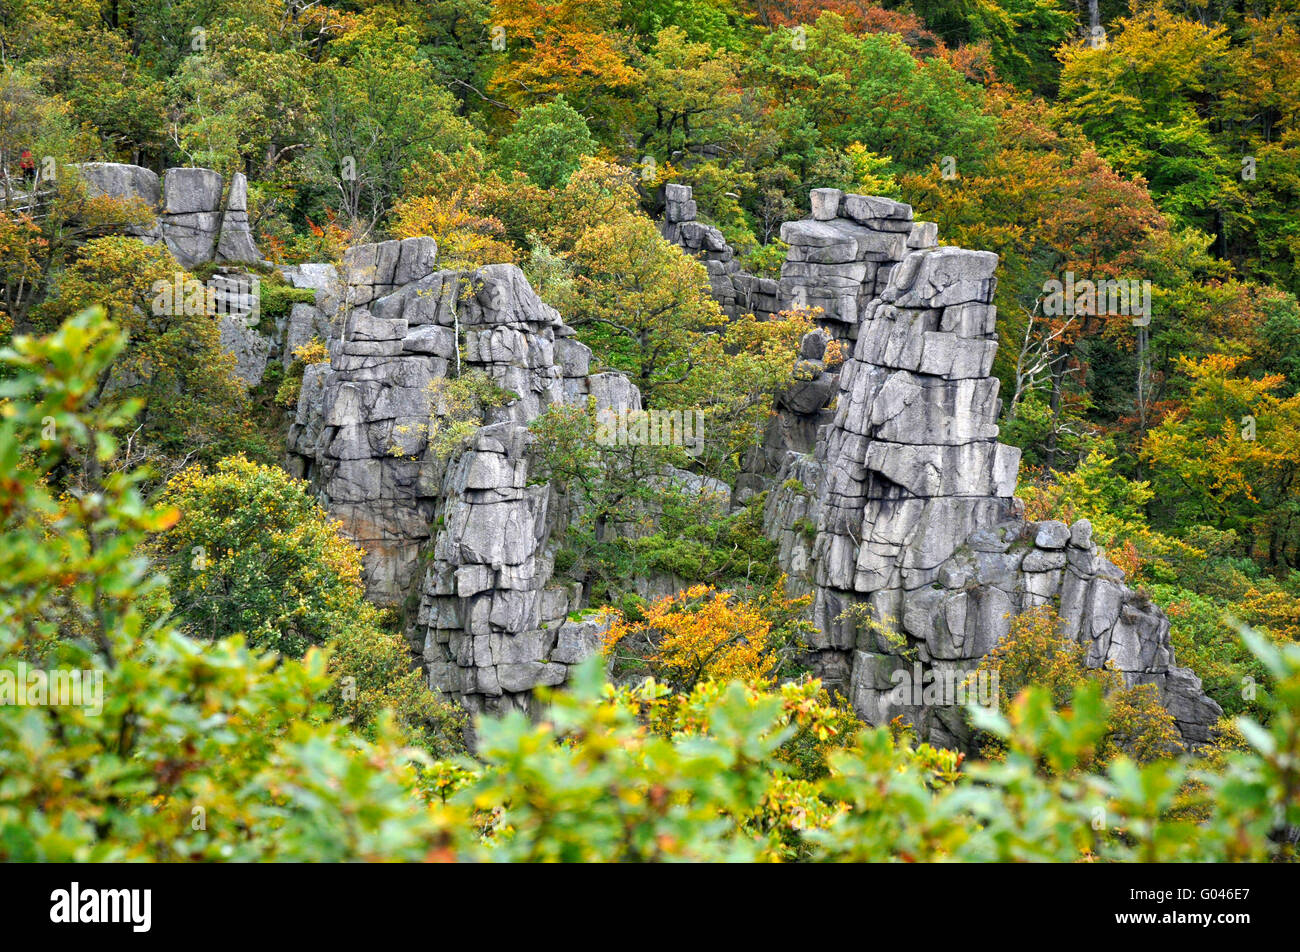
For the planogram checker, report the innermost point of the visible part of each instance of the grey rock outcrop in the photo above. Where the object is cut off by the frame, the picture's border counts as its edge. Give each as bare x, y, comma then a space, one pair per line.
891, 500
362, 427
492, 626
130, 183
191, 218
736, 290
839, 260
126, 182
463, 543
322, 318
492, 622
236, 234
903, 520
196, 227
842, 257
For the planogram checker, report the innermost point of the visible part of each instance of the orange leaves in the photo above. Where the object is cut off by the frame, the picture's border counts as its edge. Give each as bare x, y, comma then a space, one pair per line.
834, 355
164, 519
566, 47
701, 632
1126, 557
326, 242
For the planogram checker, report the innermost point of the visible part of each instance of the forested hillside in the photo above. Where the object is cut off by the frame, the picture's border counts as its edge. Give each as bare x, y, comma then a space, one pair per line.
307, 460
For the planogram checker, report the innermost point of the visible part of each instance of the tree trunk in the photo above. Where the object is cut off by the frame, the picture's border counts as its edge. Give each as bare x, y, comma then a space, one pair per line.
1058, 381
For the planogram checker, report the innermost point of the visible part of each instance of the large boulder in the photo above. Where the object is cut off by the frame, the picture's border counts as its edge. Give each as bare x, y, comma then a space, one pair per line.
129, 182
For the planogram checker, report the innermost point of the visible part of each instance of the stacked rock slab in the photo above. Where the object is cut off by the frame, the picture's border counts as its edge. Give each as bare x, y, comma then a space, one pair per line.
196, 220
492, 627
236, 296
191, 214
236, 234
842, 257
903, 520
361, 432
839, 259
465, 546
911, 465
491, 624
1011, 567
736, 291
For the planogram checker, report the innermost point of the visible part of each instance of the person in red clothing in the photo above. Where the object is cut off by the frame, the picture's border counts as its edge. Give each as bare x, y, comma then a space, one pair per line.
28, 166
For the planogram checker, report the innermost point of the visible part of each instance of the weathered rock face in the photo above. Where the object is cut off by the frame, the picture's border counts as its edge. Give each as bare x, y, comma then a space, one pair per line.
892, 500
194, 222
843, 257
736, 290
1012, 566
491, 625
127, 183
322, 318
903, 520
466, 545
839, 260
361, 432
200, 224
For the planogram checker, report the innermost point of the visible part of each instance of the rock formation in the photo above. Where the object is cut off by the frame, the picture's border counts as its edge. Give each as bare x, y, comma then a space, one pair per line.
843, 256
836, 263
891, 499
201, 224
903, 518
466, 545
737, 291
197, 221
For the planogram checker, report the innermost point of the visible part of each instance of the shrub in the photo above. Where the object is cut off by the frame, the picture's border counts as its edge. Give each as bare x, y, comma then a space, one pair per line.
1036, 653
547, 143
200, 751
313, 352
704, 633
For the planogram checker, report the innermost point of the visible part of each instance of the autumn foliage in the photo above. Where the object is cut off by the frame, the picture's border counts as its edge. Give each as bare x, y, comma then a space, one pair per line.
702, 632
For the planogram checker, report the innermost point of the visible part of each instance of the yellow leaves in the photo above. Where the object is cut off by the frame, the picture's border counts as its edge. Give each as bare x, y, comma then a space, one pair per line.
700, 633
1211, 366
459, 219
834, 355
870, 171
313, 352
1233, 449
1278, 611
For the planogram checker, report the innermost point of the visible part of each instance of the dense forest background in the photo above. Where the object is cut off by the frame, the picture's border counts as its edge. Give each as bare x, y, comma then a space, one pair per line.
1147, 141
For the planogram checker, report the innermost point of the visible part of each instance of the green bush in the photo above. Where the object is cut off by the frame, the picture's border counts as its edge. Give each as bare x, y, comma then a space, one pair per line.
198, 751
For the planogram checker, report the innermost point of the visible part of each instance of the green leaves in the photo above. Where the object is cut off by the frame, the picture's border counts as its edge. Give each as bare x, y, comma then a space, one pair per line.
547, 142
193, 751
592, 783
869, 89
